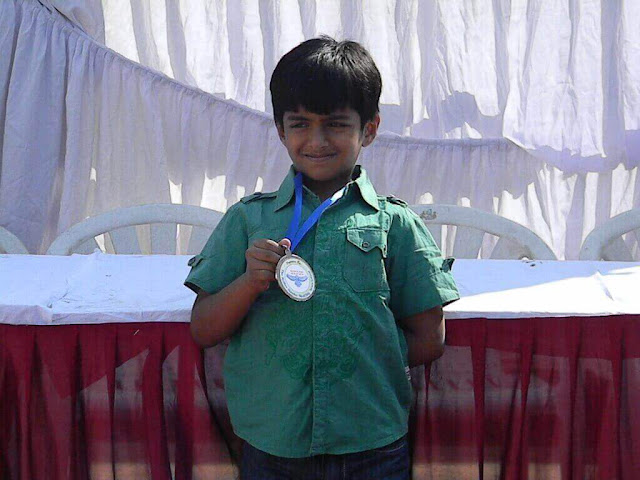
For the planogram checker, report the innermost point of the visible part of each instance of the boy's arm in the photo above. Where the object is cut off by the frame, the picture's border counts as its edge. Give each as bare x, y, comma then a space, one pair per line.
425, 335
216, 317
421, 284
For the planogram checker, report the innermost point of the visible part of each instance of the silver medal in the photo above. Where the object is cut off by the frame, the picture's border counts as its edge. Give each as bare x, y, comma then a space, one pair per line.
295, 277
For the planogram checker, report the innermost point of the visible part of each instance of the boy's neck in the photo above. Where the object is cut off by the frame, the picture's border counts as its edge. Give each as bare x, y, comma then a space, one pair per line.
326, 189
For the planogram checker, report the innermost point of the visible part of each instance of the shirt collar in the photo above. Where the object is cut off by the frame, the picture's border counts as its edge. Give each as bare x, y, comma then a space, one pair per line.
286, 190
367, 192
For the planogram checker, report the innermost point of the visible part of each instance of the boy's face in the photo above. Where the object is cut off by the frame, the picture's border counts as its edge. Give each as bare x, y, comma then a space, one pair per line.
325, 148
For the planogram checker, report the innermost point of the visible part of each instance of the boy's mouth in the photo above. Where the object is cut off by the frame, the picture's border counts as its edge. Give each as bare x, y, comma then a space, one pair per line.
319, 158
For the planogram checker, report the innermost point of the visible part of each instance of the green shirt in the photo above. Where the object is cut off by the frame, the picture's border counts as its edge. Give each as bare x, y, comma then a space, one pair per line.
329, 375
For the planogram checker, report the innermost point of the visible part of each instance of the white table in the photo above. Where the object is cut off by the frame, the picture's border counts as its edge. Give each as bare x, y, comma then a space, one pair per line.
101, 288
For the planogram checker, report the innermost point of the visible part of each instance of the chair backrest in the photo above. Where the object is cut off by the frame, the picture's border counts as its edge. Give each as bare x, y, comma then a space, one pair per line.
514, 240
605, 241
9, 243
124, 230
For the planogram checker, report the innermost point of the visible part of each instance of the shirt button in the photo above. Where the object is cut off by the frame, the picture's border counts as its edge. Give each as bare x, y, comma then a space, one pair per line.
365, 244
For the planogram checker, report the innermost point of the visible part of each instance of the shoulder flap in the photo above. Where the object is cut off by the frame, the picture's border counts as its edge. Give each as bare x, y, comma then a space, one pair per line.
396, 200
257, 196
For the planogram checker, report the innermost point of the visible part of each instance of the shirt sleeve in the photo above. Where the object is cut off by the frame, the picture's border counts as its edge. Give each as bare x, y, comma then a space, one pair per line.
419, 277
222, 259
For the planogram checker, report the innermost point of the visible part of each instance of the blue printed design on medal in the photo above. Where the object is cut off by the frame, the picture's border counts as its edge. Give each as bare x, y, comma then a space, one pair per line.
295, 277
298, 279
292, 272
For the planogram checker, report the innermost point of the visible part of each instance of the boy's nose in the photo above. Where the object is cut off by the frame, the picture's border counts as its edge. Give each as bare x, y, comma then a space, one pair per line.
318, 137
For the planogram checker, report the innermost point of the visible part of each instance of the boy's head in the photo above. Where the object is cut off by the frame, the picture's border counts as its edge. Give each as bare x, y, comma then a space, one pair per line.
325, 103
323, 75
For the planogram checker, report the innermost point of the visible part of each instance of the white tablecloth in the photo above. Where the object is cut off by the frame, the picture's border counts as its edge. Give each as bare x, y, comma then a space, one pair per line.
101, 288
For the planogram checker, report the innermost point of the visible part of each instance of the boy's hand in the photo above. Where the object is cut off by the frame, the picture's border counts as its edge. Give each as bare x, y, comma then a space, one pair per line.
217, 316
262, 258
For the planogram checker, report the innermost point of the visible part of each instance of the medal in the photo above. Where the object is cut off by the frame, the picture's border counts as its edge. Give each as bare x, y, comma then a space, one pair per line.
294, 275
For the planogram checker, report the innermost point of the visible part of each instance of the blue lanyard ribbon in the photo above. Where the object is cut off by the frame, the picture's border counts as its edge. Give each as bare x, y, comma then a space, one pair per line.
296, 234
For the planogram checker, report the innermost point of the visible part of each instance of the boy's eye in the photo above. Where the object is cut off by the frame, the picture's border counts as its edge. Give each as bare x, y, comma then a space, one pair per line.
339, 124
298, 125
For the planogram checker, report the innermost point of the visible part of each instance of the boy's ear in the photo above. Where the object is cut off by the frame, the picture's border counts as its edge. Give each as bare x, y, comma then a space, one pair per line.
370, 130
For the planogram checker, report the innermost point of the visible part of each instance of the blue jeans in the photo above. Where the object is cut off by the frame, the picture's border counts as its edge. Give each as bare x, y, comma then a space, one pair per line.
390, 462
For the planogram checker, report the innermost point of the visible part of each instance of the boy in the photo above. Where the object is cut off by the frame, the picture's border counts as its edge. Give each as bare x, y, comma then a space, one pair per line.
328, 291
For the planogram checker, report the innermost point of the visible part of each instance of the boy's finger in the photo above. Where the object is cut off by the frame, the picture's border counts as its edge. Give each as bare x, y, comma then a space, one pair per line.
265, 275
266, 244
285, 242
257, 265
264, 255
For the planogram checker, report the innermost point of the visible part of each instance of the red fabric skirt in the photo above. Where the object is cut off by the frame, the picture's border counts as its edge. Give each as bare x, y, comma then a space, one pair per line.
545, 398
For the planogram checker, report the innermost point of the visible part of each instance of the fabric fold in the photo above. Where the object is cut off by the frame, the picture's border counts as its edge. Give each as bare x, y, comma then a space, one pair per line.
87, 131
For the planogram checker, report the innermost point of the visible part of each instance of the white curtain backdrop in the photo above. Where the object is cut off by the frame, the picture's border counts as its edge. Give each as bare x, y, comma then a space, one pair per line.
84, 130
560, 78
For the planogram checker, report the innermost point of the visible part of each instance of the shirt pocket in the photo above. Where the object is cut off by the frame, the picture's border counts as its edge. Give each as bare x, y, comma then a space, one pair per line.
365, 252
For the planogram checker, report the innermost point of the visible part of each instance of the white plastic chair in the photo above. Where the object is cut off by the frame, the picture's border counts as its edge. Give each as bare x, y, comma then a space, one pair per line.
605, 241
9, 243
515, 241
122, 230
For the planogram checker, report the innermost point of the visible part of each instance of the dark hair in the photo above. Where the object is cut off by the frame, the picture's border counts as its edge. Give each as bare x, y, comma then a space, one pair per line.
323, 75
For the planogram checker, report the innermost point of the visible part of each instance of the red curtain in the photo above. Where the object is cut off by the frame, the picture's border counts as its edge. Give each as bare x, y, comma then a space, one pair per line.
552, 398
546, 398
121, 401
